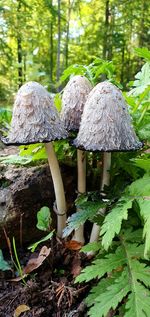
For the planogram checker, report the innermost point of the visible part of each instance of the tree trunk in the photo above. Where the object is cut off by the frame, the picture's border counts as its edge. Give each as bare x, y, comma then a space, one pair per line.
106, 27
67, 32
58, 45
19, 47
51, 45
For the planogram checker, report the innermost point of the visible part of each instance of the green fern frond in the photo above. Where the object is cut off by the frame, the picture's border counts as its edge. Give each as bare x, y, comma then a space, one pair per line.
144, 205
125, 279
113, 221
86, 210
111, 297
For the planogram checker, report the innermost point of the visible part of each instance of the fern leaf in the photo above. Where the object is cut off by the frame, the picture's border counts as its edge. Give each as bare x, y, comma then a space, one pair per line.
144, 205
138, 304
101, 266
87, 210
100, 288
112, 297
139, 188
128, 279
113, 221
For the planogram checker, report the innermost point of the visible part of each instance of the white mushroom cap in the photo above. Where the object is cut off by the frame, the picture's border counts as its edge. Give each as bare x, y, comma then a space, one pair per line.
105, 123
35, 117
73, 100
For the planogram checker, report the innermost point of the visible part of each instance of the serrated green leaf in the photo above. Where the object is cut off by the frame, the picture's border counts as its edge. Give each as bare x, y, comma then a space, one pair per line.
113, 221
139, 188
111, 297
101, 287
144, 205
138, 304
101, 266
142, 81
44, 219
4, 266
87, 210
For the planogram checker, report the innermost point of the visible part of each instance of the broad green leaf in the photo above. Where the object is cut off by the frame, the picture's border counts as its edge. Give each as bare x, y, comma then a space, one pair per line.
4, 266
142, 81
113, 221
143, 163
44, 219
143, 52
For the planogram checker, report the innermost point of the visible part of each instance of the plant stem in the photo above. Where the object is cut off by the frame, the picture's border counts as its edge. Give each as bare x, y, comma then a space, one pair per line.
81, 162
105, 181
58, 188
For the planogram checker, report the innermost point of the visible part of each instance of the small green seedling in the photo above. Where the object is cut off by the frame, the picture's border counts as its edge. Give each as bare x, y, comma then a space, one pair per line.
44, 220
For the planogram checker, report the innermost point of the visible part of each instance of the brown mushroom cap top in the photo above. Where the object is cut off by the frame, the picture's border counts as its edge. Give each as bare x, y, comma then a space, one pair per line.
35, 118
105, 123
73, 100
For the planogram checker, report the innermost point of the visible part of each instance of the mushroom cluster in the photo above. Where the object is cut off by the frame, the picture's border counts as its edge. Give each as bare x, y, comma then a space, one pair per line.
100, 117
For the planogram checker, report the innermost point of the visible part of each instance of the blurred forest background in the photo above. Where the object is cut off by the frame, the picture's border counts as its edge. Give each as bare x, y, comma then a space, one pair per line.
39, 39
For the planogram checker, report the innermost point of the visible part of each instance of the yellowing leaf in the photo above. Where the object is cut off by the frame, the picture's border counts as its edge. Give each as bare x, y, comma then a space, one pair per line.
21, 309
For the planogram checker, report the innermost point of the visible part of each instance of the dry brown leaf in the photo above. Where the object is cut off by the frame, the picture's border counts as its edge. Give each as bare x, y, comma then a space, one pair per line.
21, 309
73, 245
33, 264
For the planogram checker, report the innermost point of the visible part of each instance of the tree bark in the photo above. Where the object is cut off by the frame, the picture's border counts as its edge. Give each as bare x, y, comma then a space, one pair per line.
106, 27
67, 32
58, 43
19, 47
51, 45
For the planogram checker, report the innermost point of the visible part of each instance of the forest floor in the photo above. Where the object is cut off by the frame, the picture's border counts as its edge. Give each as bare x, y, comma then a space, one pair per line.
48, 287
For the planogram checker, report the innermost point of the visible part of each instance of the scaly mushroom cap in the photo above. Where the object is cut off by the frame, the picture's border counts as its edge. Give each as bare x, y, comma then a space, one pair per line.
35, 118
73, 100
105, 123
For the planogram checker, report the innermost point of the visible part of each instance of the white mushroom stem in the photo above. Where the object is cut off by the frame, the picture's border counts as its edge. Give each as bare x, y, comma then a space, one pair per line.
58, 188
105, 181
81, 166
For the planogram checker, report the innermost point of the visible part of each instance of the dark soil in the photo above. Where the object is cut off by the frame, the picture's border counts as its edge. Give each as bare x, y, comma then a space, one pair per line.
49, 290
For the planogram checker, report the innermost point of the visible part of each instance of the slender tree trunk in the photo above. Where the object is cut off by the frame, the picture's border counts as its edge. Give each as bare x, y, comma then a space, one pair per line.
122, 62
106, 27
51, 46
58, 44
67, 32
19, 47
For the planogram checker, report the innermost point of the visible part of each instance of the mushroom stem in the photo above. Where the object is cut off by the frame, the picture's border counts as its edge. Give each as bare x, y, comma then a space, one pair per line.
105, 181
81, 162
58, 188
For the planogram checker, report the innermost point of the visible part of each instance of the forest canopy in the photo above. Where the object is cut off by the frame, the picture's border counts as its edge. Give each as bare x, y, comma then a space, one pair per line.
40, 39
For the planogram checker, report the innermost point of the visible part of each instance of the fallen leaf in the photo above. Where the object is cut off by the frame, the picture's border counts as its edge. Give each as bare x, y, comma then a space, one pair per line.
21, 309
73, 245
33, 264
